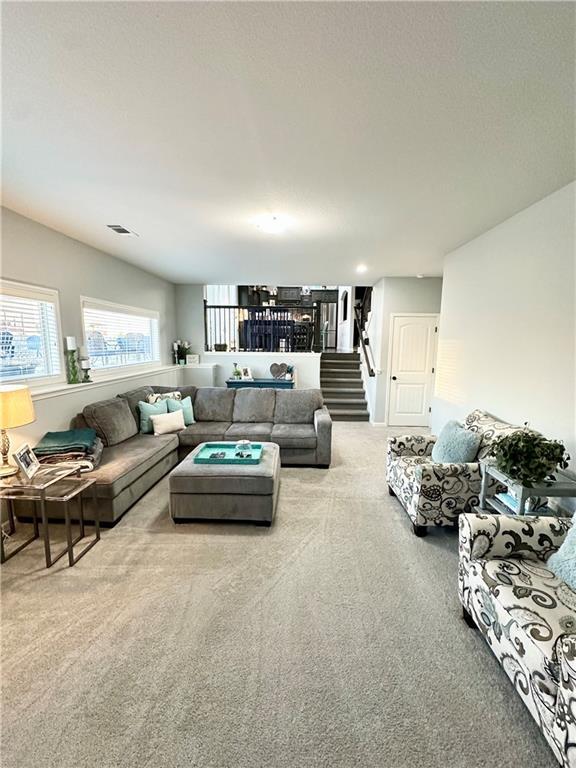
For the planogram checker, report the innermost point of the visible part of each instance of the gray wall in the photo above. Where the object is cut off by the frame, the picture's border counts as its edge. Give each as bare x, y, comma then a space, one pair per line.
190, 315
394, 295
507, 339
33, 253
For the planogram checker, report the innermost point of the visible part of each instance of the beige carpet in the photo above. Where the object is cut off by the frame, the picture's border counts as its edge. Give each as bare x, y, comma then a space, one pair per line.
332, 640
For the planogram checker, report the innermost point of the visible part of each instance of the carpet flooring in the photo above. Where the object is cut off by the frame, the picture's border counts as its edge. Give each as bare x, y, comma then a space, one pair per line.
331, 640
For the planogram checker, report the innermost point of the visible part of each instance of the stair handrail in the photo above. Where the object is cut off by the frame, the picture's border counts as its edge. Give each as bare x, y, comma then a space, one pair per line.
363, 344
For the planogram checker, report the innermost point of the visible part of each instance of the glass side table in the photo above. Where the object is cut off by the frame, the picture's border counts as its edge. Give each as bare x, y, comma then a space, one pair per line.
564, 486
62, 484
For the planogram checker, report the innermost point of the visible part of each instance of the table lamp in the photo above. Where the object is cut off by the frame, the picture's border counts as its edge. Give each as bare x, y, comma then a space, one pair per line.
16, 410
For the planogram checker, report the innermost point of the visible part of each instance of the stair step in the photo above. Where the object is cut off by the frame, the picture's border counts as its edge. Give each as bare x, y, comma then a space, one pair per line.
345, 403
347, 415
340, 356
338, 392
353, 373
341, 383
339, 363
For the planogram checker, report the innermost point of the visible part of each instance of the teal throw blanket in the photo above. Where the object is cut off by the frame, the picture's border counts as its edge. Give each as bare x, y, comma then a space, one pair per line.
65, 442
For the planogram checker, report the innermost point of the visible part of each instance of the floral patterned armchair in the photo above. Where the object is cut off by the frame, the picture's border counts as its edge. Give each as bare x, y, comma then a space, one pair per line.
526, 614
436, 494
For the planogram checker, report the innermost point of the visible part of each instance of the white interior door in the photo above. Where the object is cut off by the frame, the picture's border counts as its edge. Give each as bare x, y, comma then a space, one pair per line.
412, 362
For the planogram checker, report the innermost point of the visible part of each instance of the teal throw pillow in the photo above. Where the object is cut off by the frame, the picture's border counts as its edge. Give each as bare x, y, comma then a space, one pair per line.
456, 445
147, 410
563, 562
182, 405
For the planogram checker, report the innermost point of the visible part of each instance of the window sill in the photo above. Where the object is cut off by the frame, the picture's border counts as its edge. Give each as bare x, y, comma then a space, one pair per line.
55, 390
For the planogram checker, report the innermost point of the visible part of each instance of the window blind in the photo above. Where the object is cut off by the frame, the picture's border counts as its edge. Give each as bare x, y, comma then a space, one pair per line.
117, 336
29, 333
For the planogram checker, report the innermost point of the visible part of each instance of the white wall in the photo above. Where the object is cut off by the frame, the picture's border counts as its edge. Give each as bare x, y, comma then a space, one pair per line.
307, 365
507, 331
190, 315
33, 253
393, 295
346, 327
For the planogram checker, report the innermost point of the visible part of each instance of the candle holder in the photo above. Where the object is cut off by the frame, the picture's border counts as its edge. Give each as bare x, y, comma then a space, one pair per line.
86, 367
72, 373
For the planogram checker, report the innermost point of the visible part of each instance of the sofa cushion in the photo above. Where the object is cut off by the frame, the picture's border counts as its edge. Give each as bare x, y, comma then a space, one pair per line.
563, 562
489, 427
254, 405
150, 409
184, 405
214, 404
455, 444
123, 464
168, 423
297, 406
204, 432
133, 397
184, 391
524, 603
112, 419
174, 394
294, 435
250, 431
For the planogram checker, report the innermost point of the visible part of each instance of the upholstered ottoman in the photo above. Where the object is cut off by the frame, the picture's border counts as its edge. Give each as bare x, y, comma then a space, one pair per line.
226, 491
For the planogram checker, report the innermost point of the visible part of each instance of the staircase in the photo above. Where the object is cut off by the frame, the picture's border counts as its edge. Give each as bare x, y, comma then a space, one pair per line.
342, 387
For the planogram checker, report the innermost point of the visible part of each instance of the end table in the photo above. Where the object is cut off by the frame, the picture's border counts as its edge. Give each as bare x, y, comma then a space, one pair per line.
60, 483
563, 486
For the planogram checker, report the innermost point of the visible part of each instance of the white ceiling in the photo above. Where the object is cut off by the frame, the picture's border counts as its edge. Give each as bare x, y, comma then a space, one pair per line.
389, 132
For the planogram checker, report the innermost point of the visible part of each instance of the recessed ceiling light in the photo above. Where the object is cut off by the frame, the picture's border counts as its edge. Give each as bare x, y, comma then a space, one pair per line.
361, 268
272, 223
120, 230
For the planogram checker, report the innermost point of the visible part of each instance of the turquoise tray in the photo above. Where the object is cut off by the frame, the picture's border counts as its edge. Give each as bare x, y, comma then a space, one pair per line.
229, 449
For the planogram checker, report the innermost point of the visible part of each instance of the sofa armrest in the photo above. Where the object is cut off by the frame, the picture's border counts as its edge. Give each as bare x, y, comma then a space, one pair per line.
490, 536
410, 445
564, 721
323, 427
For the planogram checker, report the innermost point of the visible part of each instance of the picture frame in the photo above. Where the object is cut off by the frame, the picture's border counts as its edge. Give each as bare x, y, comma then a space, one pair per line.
247, 374
192, 359
26, 460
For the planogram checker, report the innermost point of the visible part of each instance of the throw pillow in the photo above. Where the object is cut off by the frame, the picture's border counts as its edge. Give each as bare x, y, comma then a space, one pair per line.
182, 405
563, 562
146, 411
157, 396
456, 445
165, 423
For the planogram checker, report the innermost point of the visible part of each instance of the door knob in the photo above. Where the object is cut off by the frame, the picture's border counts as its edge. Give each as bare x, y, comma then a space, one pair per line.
394, 378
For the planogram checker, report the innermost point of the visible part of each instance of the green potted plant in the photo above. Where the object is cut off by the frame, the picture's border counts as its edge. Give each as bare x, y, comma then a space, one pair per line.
529, 457
182, 351
236, 372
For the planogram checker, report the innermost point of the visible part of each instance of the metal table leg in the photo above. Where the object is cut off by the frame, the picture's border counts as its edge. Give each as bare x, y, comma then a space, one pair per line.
20, 547
96, 512
45, 531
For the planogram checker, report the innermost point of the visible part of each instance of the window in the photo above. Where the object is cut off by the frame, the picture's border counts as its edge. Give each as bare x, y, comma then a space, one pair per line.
116, 336
29, 333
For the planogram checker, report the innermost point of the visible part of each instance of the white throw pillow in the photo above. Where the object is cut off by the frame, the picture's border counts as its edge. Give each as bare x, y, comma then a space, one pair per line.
165, 396
165, 423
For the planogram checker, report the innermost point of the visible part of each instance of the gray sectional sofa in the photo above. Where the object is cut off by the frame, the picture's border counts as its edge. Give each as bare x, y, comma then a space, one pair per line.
296, 420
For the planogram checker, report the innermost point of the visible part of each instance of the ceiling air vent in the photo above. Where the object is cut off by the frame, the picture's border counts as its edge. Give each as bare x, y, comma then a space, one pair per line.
120, 230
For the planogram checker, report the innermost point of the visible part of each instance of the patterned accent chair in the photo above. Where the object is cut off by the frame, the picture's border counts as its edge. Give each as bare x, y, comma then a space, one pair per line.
526, 615
436, 494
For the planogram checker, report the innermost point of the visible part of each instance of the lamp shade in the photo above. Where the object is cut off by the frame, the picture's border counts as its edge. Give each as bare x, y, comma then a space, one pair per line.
16, 406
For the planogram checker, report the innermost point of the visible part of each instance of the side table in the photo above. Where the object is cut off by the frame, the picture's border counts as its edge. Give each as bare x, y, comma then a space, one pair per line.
563, 486
61, 484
